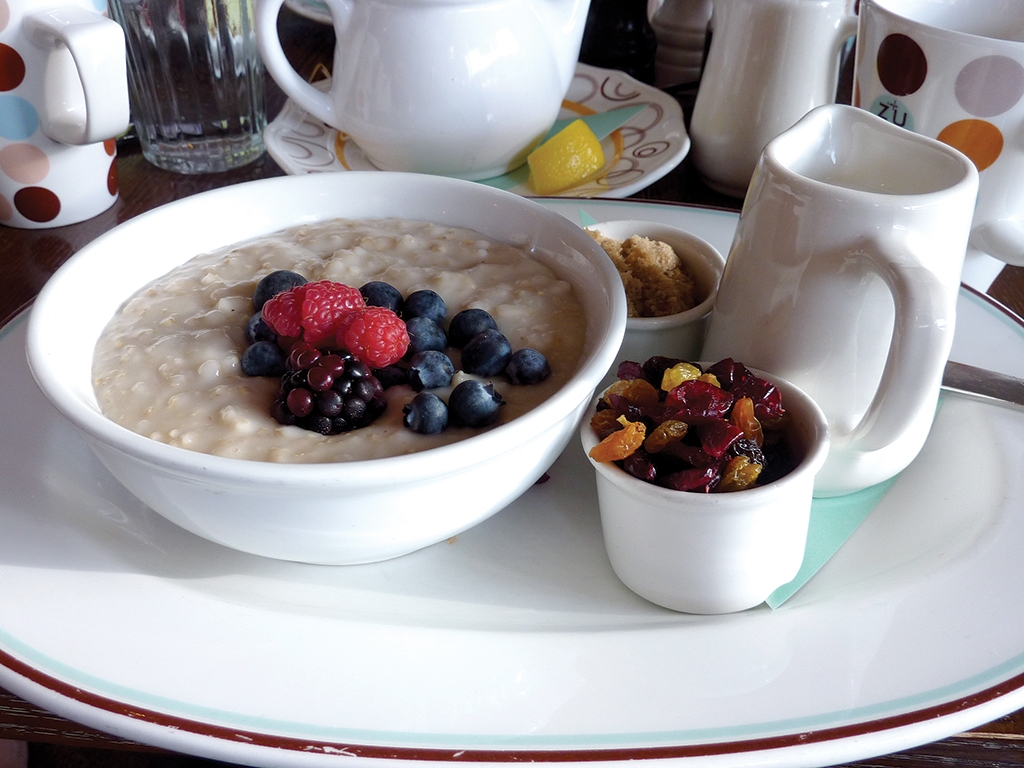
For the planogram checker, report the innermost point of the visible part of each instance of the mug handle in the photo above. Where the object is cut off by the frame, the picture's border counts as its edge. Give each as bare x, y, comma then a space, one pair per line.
99, 111
317, 103
925, 313
1003, 239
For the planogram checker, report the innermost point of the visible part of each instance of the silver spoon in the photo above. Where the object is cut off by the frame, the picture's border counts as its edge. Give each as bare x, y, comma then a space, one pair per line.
984, 385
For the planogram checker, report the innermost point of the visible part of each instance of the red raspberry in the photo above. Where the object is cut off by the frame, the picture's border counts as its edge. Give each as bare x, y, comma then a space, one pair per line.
324, 304
375, 335
311, 311
283, 312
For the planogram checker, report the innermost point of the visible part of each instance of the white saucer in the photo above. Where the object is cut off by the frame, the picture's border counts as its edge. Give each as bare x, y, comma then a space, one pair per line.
649, 145
514, 642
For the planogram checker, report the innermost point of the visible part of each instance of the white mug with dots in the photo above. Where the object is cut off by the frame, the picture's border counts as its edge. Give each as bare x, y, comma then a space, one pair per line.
954, 70
63, 99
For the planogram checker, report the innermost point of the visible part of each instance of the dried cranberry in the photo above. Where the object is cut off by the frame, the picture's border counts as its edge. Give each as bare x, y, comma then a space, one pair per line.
639, 465
628, 370
698, 402
716, 437
691, 479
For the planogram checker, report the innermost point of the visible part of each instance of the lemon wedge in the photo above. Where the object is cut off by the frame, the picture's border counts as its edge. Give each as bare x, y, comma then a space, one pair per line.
565, 159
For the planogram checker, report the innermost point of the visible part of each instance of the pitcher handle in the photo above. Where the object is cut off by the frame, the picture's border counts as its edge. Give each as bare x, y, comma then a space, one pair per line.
96, 45
317, 103
925, 313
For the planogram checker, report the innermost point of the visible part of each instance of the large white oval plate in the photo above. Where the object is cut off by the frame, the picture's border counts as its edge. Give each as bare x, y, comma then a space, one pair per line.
515, 642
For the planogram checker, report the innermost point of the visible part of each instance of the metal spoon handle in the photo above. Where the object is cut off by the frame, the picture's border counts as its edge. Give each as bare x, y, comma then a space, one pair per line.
983, 384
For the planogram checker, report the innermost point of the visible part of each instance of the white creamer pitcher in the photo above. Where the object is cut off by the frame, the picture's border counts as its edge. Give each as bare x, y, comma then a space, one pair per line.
770, 62
843, 277
451, 87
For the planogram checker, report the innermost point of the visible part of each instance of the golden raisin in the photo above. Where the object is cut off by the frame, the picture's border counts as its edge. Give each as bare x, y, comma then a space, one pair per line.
711, 379
669, 431
738, 474
604, 423
743, 417
618, 445
677, 374
637, 391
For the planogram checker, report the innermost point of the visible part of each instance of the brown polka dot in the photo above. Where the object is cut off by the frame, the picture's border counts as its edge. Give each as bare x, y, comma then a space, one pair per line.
110, 146
112, 178
902, 66
978, 139
12, 68
37, 203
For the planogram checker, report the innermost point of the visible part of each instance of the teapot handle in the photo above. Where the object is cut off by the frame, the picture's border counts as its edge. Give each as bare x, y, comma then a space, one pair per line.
314, 101
925, 313
95, 44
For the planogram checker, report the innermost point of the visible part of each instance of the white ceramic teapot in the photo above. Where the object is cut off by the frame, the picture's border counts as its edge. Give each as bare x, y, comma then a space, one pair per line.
451, 87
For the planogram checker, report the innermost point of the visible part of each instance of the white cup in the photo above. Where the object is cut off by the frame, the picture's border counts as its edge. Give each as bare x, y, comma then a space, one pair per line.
63, 99
460, 89
843, 277
679, 335
954, 70
770, 62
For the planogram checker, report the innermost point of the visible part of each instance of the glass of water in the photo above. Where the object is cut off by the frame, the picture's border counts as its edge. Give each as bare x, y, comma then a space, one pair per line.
196, 82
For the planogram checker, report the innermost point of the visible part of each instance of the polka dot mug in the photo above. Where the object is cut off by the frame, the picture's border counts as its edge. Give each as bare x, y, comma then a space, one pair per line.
63, 99
954, 70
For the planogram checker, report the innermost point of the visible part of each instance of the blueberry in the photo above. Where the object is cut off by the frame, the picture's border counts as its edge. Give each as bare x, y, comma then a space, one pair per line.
391, 376
474, 404
467, 324
424, 334
486, 354
257, 330
430, 369
425, 303
273, 284
264, 358
377, 293
426, 414
527, 366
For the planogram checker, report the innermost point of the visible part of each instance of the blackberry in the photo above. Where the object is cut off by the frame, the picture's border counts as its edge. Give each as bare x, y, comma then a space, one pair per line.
486, 354
377, 293
426, 414
430, 369
467, 324
474, 404
273, 284
527, 366
334, 394
425, 303
424, 334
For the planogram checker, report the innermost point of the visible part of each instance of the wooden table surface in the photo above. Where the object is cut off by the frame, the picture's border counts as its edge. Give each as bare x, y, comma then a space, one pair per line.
29, 257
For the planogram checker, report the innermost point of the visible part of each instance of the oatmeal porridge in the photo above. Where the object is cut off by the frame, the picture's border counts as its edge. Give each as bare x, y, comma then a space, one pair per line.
168, 364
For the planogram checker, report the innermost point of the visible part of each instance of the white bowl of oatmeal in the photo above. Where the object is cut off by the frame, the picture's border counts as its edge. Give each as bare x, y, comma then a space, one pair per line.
670, 293
221, 466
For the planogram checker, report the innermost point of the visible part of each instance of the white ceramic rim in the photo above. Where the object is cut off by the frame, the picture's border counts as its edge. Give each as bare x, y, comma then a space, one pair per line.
461, 454
955, 35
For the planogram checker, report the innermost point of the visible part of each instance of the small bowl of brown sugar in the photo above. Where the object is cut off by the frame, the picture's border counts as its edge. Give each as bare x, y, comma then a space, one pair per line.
671, 279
